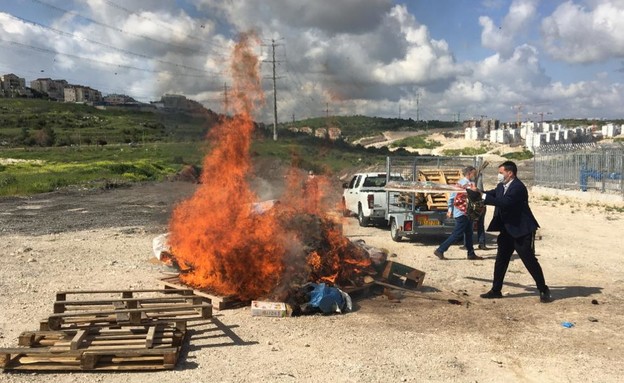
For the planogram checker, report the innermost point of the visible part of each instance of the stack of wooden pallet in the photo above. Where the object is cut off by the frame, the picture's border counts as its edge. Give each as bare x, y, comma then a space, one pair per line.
440, 176
109, 330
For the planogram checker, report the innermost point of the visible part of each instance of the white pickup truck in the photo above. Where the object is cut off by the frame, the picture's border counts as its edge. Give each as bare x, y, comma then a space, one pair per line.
365, 195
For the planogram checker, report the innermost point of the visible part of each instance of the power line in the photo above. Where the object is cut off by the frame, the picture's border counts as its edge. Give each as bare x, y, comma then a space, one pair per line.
68, 34
297, 81
121, 30
163, 25
52, 51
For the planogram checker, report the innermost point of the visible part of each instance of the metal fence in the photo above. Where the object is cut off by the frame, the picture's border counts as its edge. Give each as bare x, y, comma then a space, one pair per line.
580, 167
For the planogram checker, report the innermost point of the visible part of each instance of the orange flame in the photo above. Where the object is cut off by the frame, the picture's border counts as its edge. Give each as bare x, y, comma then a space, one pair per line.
218, 240
215, 233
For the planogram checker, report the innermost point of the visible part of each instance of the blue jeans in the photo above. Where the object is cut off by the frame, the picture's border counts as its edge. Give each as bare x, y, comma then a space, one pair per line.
463, 228
480, 230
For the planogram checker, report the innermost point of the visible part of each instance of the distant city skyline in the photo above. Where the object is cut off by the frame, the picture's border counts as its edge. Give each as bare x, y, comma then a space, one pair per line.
442, 60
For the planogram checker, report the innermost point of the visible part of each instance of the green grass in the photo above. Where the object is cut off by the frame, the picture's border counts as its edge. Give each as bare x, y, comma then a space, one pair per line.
467, 151
60, 140
97, 167
23, 120
416, 142
92, 166
519, 156
322, 156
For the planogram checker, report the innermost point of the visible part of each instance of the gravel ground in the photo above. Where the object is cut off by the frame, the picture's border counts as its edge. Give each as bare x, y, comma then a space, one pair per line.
102, 240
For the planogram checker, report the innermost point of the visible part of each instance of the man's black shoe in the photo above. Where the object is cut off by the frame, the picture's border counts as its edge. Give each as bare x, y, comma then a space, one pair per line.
483, 247
439, 254
474, 257
492, 295
545, 296
462, 247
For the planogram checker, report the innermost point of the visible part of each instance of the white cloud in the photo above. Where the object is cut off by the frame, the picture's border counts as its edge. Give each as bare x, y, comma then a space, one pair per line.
425, 60
343, 56
501, 38
576, 34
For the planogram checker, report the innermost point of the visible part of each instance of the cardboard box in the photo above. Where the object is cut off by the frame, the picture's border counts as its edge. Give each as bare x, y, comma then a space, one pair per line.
268, 309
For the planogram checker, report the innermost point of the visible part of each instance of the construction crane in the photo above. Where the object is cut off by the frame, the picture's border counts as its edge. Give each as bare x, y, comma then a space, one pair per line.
518, 108
541, 114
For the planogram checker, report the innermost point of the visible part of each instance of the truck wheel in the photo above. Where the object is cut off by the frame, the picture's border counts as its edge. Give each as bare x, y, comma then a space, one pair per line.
394, 231
345, 211
363, 221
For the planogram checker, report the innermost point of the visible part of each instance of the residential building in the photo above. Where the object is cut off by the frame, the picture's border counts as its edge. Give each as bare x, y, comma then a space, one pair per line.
55, 89
81, 94
118, 99
12, 85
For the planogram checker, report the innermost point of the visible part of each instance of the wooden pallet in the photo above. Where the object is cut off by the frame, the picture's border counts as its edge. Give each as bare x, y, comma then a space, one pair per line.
129, 307
154, 347
439, 201
218, 302
440, 176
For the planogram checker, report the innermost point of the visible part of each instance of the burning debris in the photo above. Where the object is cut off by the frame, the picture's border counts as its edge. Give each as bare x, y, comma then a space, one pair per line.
225, 241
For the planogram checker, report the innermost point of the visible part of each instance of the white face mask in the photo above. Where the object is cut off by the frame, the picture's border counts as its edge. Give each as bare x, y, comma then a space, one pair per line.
500, 178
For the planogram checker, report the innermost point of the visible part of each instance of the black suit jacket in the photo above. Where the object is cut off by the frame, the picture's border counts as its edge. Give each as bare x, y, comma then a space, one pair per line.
512, 211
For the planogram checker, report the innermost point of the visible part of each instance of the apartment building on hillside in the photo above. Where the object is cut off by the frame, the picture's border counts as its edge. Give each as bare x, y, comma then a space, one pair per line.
55, 89
12, 86
81, 94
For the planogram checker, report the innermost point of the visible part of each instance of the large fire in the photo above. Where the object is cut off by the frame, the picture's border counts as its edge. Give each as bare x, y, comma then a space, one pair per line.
222, 243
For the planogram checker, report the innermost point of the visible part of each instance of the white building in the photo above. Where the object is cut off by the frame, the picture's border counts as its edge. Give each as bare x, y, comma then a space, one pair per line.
611, 130
474, 133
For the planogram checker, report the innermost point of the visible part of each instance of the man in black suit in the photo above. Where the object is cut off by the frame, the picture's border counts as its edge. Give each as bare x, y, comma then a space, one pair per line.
517, 225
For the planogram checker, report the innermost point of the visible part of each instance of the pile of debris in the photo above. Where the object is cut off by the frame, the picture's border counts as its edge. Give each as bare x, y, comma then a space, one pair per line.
323, 284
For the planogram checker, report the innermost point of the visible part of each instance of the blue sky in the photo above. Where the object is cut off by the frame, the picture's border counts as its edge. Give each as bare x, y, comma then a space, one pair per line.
426, 59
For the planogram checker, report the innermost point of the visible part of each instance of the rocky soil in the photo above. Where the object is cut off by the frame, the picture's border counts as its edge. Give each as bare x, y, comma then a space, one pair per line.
102, 240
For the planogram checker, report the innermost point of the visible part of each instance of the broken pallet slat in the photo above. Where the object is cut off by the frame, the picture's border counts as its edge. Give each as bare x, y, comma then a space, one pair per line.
218, 302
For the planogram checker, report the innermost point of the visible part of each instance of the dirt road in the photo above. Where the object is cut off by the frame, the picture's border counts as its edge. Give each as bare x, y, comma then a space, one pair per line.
88, 240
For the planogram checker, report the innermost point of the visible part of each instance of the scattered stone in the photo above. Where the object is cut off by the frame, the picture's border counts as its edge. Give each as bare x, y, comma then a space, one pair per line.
594, 302
499, 362
31, 260
592, 319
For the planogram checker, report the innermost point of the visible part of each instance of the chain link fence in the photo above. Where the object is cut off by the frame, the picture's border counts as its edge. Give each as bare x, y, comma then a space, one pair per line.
580, 167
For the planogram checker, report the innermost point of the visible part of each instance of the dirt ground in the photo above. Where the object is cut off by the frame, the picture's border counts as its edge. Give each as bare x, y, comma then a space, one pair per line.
103, 239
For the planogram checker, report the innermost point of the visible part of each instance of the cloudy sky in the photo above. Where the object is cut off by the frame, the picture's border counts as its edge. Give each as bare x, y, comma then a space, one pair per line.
420, 59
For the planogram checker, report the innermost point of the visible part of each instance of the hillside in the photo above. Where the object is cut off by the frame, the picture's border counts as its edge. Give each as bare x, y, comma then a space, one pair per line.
33, 122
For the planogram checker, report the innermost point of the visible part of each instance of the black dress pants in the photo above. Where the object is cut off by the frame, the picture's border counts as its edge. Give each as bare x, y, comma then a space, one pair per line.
524, 246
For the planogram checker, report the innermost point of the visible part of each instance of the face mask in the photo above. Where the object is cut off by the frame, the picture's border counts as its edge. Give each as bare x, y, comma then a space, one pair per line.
500, 178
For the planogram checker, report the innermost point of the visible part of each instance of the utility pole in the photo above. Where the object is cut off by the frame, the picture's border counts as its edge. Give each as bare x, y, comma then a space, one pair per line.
399, 110
274, 95
327, 110
417, 107
518, 109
